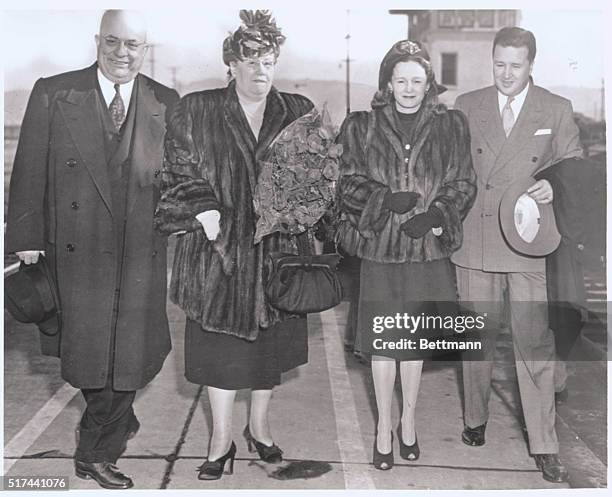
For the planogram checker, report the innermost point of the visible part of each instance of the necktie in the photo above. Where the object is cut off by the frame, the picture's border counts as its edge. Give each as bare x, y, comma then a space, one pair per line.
117, 109
508, 116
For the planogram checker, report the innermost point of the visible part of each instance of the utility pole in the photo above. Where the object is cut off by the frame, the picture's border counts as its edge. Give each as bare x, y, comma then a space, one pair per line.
602, 108
152, 48
174, 83
348, 62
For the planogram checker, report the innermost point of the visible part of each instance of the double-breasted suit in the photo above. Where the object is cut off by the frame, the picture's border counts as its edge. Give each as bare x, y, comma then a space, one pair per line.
86, 194
543, 133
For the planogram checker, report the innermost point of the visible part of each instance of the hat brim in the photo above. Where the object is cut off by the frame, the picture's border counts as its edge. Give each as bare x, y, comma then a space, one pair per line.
547, 238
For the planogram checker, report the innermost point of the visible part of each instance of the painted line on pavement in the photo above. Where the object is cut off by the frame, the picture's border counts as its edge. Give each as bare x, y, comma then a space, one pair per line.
350, 441
21, 442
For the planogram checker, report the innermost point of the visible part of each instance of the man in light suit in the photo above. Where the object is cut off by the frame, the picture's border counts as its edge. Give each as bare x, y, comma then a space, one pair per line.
83, 193
517, 129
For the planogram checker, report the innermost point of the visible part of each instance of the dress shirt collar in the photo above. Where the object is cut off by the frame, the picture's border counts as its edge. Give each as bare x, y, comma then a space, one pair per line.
108, 90
517, 103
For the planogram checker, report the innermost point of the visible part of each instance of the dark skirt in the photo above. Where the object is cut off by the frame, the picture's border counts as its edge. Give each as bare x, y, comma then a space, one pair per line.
386, 289
232, 363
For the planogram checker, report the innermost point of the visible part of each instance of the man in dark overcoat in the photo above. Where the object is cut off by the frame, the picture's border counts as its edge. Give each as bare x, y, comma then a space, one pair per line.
83, 192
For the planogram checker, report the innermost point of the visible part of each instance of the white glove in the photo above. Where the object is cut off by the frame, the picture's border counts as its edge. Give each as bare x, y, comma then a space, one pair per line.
29, 256
210, 222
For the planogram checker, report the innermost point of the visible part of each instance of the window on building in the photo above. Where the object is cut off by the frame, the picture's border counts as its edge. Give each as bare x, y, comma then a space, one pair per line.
446, 18
449, 69
465, 18
507, 18
486, 18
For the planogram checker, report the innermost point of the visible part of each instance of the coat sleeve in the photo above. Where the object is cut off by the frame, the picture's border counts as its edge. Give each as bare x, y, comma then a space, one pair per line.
185, 189
360, 198
26, 227
457, 191
566, 141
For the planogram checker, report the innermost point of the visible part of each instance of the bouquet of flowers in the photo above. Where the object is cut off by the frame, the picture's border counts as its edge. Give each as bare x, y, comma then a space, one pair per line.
296, 183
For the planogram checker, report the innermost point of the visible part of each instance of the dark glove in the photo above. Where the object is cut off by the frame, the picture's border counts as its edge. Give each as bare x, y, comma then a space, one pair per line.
400, 202
417, 226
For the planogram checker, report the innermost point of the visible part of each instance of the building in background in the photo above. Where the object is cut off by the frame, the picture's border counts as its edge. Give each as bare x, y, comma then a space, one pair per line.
458, 42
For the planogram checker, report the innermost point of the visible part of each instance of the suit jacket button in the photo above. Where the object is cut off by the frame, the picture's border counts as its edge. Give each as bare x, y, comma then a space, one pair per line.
580, 246
406, 160
534, 159
74, 205
479, 150
70, 247
71, 162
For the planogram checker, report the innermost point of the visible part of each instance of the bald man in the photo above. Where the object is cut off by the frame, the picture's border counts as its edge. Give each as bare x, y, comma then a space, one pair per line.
83, 192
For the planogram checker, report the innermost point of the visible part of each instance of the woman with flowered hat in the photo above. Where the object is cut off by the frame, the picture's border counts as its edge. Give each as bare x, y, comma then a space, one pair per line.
234, 340
406, 183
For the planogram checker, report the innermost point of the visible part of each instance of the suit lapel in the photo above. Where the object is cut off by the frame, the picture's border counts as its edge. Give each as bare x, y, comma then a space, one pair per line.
528, 121
147, 139
81, 110
489, 121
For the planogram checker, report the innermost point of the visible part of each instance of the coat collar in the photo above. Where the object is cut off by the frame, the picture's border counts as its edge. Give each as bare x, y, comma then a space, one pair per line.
274, 119
81, 111
390, 128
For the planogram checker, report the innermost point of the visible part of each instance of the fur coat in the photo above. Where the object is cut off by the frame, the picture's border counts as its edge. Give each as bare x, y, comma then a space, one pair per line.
376, 159
211, 162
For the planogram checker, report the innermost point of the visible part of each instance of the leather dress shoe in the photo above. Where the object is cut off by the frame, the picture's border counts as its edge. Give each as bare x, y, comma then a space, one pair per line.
551, 467
474, 436
106, 474
561, 397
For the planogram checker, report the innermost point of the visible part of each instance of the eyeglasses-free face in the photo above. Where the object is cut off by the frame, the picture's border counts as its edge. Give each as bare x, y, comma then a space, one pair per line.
409, 85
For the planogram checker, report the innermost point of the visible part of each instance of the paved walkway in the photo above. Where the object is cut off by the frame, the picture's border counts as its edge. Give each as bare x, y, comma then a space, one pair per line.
324, 411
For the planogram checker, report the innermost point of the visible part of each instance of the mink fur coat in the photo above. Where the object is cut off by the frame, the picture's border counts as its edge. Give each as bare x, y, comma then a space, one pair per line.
436, 163
211, 162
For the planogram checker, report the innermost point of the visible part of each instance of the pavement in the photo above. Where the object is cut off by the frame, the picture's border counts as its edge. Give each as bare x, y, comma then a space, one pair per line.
323, 413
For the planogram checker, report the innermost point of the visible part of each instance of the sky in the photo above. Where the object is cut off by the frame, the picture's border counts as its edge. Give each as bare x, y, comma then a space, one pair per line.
43, 42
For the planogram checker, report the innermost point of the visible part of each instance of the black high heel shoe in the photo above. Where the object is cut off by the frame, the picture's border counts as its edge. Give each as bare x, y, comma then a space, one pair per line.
383, 461
408, 452
213, 470
267, 453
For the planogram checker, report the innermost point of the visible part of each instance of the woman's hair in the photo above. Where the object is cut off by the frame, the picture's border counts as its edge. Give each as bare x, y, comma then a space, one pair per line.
257, 36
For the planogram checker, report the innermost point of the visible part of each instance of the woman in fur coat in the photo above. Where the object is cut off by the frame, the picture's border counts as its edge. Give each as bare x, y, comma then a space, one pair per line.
234, 339
406, 184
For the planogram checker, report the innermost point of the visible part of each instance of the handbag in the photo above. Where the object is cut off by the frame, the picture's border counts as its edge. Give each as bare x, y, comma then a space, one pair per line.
303, 283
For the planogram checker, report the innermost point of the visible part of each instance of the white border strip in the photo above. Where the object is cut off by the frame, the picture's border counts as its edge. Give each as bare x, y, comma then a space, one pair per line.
350, 442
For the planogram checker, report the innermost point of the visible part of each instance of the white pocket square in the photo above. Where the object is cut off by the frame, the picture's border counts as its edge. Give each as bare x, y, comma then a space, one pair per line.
539, 132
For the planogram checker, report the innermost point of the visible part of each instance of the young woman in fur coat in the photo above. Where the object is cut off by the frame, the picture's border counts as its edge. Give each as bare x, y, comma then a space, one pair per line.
406, 184
234, 339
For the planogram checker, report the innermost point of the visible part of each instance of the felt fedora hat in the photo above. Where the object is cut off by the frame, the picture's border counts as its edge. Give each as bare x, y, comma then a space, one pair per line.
30, 295
528, 227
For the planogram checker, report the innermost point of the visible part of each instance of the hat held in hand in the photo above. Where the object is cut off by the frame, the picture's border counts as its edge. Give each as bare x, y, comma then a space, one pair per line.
529, 228
30, 295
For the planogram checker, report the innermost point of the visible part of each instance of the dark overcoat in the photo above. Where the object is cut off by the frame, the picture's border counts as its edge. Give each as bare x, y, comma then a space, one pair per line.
211, 162
378, 159
579, 187
60, 202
